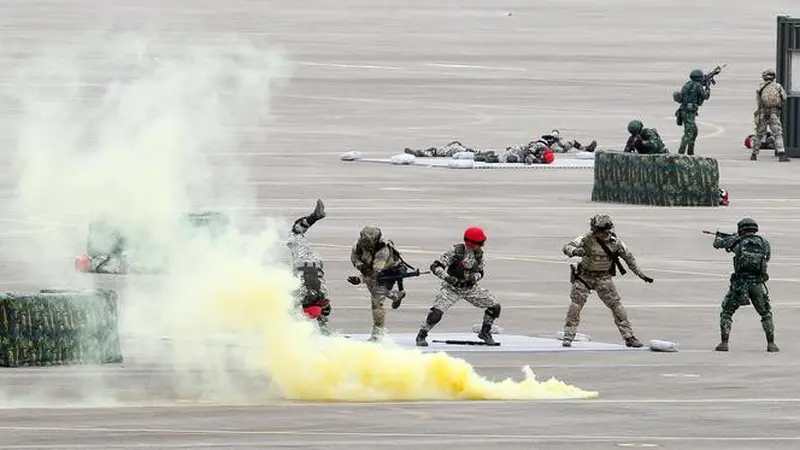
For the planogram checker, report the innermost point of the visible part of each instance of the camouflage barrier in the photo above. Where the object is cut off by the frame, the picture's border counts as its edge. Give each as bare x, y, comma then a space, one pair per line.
658, 180
59, 327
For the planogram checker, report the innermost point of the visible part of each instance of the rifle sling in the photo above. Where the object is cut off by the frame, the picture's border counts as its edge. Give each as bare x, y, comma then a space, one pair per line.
614, 257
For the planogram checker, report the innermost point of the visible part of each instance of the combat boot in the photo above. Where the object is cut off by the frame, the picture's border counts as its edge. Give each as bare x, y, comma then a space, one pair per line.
782, 157
722, 347
690, 149
591, 147
753, 157
486, 334
421, 336
632, 342
566, 342
302, 224
771, 347
377, 334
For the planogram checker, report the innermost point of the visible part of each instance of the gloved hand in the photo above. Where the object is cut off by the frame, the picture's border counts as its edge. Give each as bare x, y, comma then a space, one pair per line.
579, 252
451, 280
647, 279
354, 280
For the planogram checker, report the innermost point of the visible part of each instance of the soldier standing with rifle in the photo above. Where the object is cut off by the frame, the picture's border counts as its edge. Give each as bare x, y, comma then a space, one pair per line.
599, 250
748, 280
691, 97
770, 98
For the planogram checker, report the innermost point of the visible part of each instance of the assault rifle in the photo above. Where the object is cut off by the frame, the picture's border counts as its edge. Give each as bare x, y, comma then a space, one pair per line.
708, 78
719, 234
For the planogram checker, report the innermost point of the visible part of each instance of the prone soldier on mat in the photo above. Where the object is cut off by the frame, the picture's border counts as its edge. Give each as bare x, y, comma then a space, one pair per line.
531, 153
380, 266
751, 254
557, 144
461, 268
599, 250
645, 141
313, 293
440, 152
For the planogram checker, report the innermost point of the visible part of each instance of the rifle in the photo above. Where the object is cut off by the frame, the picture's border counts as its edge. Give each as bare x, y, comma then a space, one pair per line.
719, 234
708, 78
401, 275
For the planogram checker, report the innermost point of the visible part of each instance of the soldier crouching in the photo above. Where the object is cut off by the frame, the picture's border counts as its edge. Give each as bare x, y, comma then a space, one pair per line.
460, 269
599, 250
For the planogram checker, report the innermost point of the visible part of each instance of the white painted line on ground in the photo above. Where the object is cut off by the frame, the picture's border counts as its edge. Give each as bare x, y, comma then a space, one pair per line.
348, 66
404, 435
473, 66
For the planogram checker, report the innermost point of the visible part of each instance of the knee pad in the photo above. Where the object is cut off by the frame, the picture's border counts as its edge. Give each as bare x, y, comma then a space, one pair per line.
326, 310
434, 316
493, 311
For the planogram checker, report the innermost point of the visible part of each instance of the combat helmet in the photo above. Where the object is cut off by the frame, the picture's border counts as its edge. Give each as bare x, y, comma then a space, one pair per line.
747, 224
601, 222
768, 75
370, 235
696, 75
635, 126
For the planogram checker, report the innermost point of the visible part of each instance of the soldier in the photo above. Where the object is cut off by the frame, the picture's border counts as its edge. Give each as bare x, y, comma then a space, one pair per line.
748, 280
313, 293
599, 250
374, 257
443, 152
770, 98
557, 144
645, 141
460, 269
691, 97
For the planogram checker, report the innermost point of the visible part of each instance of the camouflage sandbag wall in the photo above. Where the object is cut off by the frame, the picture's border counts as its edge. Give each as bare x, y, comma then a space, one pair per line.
658, 180
56, 327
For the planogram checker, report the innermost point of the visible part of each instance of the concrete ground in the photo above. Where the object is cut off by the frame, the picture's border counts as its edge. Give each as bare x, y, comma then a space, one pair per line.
379, 78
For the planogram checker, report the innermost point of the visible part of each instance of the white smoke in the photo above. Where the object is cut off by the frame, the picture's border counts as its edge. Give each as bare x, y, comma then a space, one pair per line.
114, 128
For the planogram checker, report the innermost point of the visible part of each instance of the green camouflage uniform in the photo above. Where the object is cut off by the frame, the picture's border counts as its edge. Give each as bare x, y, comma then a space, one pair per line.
693, 94
748, 281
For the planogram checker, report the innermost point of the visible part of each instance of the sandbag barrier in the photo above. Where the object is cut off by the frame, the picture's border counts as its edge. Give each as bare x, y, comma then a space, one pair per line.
657, 180
59, 327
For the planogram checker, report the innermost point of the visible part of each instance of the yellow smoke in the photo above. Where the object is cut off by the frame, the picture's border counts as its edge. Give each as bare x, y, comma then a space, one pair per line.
147, 150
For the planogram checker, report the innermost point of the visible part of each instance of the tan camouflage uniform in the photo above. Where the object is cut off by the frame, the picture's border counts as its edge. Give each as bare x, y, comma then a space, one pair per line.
371, 255
594, 273
770, 98
440, 152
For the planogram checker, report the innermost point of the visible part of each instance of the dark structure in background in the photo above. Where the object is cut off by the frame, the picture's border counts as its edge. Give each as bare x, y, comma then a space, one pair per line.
787, 69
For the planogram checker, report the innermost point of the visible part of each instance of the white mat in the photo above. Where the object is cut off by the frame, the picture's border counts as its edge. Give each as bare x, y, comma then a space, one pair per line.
582, 160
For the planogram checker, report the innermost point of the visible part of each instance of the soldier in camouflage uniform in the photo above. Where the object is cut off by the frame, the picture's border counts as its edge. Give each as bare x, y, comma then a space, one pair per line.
599, 250
645, 141
770, 98
691, 97
375, 257
460, 269
441, 152
748, 281
307, 264
557, 144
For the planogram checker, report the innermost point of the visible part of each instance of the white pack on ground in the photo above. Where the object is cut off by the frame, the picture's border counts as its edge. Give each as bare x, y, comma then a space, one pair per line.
464, 155
402, 159
352, 155
657, 345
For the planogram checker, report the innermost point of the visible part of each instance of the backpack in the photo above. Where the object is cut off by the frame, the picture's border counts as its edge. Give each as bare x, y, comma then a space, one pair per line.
751, 256
771, 96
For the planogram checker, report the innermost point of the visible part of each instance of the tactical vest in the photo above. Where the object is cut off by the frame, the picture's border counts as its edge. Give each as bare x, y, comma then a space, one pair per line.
771, 96
456, 268
750, 257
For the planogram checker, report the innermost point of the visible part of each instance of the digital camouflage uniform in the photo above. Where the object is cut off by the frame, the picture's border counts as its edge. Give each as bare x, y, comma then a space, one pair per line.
374, 257
557, 144
595, 272
442, 152
308, 265
770, 98
645, 141
748, 280
692, 96
460, 269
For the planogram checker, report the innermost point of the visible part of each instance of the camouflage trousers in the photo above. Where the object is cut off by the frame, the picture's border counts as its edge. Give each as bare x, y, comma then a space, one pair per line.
563, 146
768, 118
739, 292
689, 132
476, 296
379, 293
607, 291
